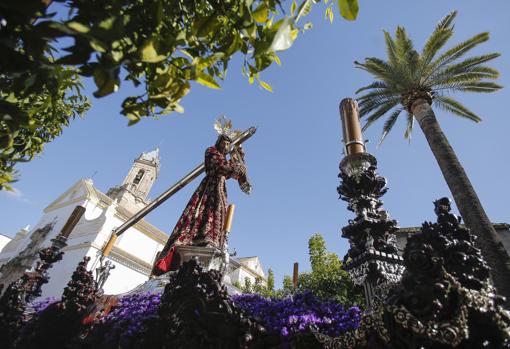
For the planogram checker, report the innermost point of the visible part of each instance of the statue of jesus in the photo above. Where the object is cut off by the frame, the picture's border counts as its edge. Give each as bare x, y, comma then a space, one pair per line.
202, 222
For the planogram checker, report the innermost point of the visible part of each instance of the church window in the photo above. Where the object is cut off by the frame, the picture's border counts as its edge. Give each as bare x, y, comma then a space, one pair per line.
139, 176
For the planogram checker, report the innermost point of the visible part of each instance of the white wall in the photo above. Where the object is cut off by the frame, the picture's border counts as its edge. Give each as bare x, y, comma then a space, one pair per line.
139, 245
4, 240
240, 275
253, 264
132, 240
58, 216
60, 273
11, 249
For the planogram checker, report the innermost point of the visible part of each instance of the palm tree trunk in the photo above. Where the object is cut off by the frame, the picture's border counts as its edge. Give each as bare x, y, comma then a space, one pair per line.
465, 197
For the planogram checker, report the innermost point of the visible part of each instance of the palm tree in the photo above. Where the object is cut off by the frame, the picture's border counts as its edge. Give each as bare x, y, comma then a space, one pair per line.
411, 83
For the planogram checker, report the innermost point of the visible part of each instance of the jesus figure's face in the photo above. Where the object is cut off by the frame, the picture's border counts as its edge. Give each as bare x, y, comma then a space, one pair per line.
224, 146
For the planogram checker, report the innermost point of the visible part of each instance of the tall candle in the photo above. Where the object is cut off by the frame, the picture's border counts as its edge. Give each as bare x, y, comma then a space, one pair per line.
108, 247
72, 221
230, 216
353, 138
295, 275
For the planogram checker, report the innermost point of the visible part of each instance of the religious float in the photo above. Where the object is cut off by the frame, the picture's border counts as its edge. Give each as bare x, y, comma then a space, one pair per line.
438, 294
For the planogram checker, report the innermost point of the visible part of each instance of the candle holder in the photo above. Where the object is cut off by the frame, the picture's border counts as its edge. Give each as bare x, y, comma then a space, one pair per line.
372, 259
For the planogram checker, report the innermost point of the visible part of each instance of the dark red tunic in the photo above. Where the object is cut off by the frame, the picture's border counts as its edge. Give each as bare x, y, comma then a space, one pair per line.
203, 219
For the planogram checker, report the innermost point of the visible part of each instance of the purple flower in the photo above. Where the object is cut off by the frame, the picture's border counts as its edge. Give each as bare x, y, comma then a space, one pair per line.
42, 304
285, 317
295, 314
284, 332
125, 320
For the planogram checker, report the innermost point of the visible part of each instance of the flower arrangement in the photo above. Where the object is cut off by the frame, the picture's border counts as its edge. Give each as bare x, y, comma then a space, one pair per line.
295, 314
284, 319
126, 319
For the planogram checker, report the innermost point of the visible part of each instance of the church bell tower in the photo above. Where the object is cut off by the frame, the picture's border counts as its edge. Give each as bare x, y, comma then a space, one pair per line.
135, 188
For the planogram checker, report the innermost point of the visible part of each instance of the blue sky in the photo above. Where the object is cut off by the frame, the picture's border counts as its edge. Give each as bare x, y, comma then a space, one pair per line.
293, 159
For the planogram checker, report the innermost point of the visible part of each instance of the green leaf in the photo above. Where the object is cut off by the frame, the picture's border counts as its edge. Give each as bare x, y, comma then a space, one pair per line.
251, 31
79, 27
304, 9
100, 76
207, 80
6, 142
277, 59
106, 82
265, 86
187, 54
202, 63
261, 14
109, 87
208, 27
98, 46
329, 14
107, 24
117, 55
348, 9
236, 45
149, 54
178, 108
293, 7
133, 121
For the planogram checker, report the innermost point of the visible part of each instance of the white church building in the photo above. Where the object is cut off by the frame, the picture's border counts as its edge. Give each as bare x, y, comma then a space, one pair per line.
134, 251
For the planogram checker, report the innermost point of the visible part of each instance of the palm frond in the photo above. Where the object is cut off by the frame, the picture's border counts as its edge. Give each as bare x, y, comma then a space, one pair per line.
389, 123
494, 73
455, 107
407, 57
366, 109
441, 34
480, 86
447, 21
366, 106
374, 85
403, 44
391, 49
461, 79
376, 93
413, 68
409, 127
487, 72
375, 66
458, 51
383, 109
466, 65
